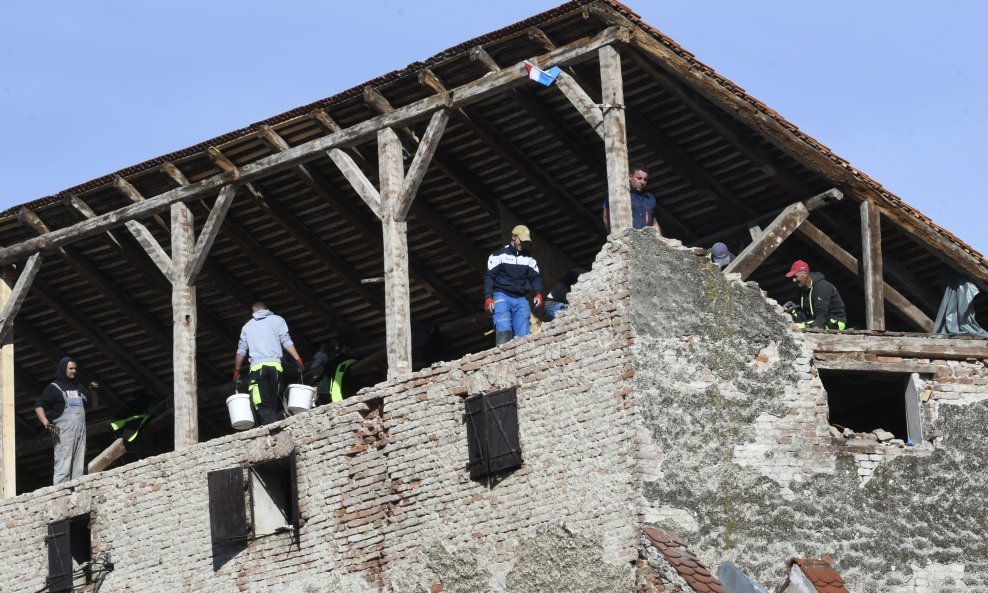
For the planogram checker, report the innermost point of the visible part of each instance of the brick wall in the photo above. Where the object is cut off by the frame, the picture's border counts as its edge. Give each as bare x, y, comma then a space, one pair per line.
383, 488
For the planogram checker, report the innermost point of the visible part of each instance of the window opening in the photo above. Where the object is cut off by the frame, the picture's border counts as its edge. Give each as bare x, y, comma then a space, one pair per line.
865, 401
493, 441
268, 490
70, 553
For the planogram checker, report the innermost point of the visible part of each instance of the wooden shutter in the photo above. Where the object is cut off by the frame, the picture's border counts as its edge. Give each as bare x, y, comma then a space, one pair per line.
227, 505
59, 557
476, 436
503, 443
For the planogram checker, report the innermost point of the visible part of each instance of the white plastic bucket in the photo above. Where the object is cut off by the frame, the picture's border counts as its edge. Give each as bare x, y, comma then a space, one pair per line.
300, 398
241, 416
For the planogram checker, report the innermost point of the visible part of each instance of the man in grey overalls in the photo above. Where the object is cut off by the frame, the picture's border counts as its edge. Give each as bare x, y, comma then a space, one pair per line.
61, 410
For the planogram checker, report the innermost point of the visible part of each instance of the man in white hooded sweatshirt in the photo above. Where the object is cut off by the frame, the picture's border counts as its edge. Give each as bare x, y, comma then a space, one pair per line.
264, 336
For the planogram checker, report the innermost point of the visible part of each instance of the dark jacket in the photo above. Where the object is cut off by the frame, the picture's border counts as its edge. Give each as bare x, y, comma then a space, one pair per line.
821, 302
51, 398
511, 272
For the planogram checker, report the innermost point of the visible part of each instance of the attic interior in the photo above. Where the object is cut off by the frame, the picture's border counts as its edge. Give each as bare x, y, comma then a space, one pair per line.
303, 240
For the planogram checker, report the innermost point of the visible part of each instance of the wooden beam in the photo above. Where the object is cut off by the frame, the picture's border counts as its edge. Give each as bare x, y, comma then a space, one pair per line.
420, 164
106, 458
758, 250
208, 234
917, 346
581, 101
829, 247
221, 161
17, 294
171, 170
364, 188
398, 315
615, 138
906, 366
871, 260
184, 327
8, 410
464, 95
151, 273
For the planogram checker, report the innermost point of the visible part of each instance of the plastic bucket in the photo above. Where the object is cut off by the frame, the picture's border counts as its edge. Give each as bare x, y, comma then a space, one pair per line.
241, 416
300, 398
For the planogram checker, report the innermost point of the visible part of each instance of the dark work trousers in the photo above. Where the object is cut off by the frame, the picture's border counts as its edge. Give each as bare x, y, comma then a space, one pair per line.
264, 388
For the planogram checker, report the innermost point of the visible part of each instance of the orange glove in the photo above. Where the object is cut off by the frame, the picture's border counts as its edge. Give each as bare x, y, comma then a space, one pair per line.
489, 305
537, 301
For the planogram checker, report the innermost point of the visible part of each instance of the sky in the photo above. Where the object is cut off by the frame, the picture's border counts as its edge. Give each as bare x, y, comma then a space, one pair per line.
898, 88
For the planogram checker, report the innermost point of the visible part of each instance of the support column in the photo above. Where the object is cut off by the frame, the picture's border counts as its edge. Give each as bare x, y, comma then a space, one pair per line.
396, 290
871, 263
615, 138
184, 329
8, 463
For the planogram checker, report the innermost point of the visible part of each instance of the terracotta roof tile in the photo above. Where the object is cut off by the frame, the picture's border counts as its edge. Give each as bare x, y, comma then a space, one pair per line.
821, 573
686, 563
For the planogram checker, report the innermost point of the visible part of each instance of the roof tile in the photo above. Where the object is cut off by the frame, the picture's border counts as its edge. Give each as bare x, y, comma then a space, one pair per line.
675, 552
821, 573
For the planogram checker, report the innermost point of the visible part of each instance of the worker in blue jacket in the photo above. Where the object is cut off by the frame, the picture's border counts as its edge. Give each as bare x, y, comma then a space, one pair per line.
512, 273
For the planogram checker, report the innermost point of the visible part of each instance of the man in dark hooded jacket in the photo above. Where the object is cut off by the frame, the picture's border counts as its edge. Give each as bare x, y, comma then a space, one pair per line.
61, 410
820, 305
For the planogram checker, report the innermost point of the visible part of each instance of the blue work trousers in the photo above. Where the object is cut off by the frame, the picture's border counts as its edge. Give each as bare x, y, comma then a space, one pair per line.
512, 314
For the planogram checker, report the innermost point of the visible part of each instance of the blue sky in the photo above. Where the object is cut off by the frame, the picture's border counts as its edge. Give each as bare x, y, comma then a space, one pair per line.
898, 88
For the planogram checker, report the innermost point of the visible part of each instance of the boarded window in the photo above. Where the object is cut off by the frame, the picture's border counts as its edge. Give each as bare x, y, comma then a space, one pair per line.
493, 443
69, 553
227, 505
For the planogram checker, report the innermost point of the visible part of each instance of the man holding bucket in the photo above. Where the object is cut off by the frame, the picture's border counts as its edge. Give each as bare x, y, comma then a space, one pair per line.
264, 336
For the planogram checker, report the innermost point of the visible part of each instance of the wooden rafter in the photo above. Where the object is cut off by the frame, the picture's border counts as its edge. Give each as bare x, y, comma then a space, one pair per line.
115, 353
828, 246
774, 234
17, 294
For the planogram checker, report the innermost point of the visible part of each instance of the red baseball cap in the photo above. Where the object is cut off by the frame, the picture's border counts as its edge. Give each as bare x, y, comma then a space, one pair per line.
798, 266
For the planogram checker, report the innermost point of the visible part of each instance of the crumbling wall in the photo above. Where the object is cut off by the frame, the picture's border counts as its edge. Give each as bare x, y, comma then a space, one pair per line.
384, 493
736, 453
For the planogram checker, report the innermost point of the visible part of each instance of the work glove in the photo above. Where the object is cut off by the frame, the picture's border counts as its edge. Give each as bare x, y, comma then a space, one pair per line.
53, 429
537, 301
489, 305
299, 364
236, 376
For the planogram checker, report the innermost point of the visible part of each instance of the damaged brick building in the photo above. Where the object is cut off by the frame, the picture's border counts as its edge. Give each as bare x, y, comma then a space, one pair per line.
671, 406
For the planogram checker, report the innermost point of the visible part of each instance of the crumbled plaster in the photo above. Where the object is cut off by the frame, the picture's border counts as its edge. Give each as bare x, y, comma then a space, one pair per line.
749, 454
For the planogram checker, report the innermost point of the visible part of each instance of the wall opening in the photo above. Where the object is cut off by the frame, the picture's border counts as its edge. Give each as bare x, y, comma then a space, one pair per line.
865, 401
70, 553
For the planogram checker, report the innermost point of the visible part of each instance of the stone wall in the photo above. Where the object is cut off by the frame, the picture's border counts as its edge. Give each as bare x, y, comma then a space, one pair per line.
736, 452
384, 494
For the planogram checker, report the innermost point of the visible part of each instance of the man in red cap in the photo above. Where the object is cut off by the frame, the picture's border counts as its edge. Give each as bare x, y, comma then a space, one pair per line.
820, 304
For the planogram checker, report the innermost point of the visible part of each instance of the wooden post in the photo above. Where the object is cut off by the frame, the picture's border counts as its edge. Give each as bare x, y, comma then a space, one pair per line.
396, 290
8, 464
871, 263
184, 329
615, 138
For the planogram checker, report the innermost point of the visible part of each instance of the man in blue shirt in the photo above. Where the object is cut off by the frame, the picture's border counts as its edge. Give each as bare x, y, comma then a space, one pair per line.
642, 203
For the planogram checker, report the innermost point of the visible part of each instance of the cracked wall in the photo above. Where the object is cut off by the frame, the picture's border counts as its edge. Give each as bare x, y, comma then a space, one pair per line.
736, 452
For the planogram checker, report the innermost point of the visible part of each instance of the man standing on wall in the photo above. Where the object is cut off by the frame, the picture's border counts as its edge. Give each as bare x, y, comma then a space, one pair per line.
642, 203
264, 336
511, 272
820, 305
61, 410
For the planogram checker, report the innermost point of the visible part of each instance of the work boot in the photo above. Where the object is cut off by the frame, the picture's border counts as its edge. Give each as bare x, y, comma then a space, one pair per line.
503, 337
